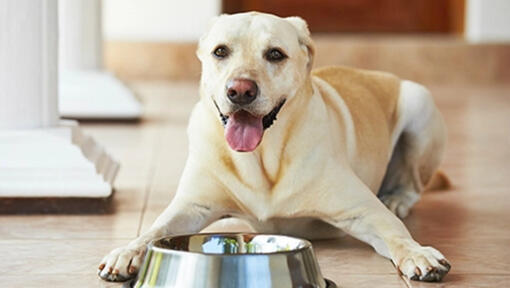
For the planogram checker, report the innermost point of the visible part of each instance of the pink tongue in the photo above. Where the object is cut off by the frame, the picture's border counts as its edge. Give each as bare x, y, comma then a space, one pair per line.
243, 131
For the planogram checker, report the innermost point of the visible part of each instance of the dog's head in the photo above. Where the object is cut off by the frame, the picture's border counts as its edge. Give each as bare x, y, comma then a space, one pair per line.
252, 63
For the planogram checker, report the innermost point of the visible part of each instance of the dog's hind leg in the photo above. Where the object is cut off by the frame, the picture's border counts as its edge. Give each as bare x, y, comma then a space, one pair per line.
418, 140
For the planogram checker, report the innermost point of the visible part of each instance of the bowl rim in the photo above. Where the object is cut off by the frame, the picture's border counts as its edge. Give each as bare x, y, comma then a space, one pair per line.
307, 245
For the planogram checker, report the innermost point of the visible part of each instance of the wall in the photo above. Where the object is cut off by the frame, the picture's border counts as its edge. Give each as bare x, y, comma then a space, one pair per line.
156, 39
157, 20
488, 20
186, 20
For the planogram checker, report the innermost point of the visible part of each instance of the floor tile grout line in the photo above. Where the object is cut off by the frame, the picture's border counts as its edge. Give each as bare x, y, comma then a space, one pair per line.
150, 180
406, 281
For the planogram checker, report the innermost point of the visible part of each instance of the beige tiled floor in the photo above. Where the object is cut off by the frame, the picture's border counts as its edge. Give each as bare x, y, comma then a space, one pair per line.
470, 223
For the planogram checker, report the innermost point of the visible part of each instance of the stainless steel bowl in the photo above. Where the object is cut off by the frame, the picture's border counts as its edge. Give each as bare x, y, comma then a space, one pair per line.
230, 261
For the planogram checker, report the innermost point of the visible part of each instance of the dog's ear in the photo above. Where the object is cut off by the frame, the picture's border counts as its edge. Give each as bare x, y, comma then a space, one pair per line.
304, 38
213, 20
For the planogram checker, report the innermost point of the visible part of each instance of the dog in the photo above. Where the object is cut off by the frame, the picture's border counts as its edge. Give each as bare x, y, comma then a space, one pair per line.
300, 152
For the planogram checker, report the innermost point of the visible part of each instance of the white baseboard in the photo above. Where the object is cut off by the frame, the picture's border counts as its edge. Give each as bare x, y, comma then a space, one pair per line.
54, 162
95, 94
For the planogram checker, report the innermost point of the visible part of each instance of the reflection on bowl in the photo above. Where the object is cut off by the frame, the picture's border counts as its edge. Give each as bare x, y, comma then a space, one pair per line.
230, 261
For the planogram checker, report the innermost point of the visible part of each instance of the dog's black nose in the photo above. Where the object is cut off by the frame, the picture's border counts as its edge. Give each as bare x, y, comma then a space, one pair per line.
242, 91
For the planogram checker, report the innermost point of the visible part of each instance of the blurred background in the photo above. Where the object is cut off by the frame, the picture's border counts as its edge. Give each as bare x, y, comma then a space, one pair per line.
424, 40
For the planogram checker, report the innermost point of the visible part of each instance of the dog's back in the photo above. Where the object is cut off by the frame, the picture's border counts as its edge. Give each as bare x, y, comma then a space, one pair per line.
371, 98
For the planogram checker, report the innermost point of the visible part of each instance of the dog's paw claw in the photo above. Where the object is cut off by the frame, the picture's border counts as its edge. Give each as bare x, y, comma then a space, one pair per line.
445, 263
424, 264
417, 271
132, 270
121, 264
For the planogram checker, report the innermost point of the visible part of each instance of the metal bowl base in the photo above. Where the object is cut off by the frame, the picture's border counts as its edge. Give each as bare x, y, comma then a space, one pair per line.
131, 284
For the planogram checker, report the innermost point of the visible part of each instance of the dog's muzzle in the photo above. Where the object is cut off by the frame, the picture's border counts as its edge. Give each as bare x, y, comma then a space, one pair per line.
267, 120
243, 130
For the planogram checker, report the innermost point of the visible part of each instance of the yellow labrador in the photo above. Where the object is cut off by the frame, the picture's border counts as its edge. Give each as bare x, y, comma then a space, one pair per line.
300, 152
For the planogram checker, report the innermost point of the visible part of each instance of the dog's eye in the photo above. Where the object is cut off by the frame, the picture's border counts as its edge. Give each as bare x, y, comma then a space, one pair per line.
221, 52
275, 55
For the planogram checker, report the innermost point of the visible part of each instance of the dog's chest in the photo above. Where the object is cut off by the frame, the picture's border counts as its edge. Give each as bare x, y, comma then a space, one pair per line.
270, 188
277, 179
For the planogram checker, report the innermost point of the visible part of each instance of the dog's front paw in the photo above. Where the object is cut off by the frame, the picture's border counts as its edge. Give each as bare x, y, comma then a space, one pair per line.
121, 264
424, 264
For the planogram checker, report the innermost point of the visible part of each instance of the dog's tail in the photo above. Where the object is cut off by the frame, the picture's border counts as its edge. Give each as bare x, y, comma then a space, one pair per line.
438, 182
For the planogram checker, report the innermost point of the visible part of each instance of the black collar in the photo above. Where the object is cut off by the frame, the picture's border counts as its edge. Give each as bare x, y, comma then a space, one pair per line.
267, 120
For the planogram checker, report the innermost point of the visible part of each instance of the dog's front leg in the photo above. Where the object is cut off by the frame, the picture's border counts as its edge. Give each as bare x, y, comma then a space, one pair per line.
357, 211
200, 200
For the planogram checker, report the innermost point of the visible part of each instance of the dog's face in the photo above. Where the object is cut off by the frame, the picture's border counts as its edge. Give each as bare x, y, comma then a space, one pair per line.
252, 63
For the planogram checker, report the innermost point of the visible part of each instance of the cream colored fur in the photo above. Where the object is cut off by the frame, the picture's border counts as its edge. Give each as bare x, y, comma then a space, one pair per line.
343, 138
